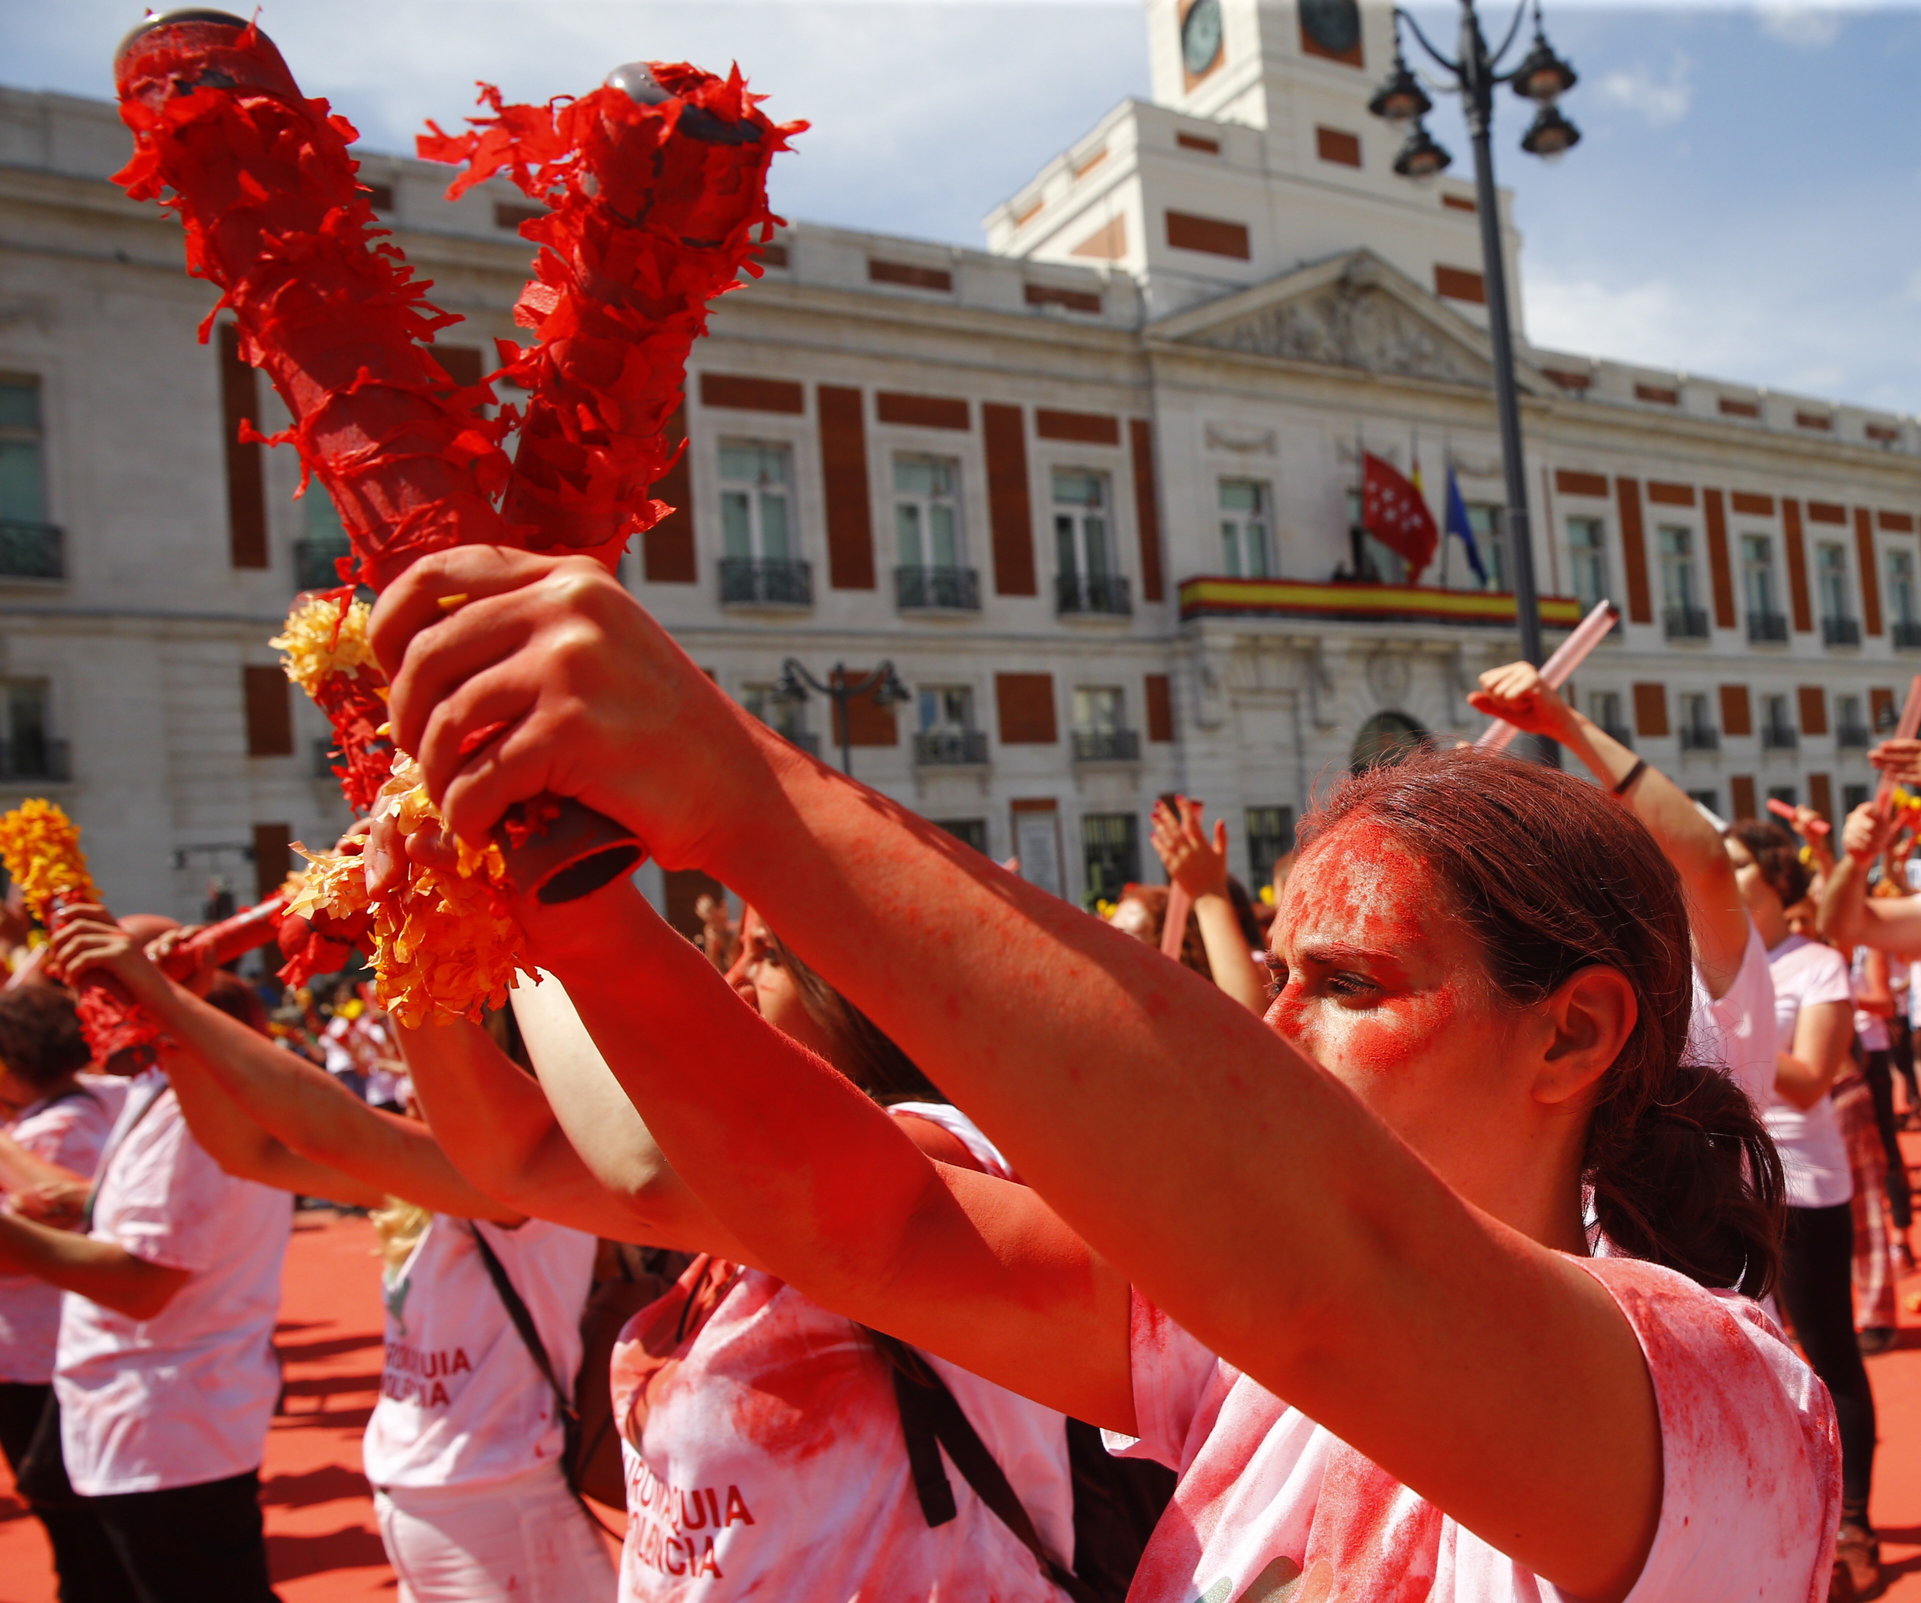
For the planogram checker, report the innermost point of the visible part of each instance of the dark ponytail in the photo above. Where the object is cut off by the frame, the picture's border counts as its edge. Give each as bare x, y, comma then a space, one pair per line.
1554, 876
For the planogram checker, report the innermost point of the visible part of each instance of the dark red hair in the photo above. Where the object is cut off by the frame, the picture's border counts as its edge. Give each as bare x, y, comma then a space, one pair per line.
1553, 875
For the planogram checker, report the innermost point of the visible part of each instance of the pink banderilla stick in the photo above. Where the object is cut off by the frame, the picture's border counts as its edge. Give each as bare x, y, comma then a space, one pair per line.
1174, 926
1785, 812
1909, 726
1559, 668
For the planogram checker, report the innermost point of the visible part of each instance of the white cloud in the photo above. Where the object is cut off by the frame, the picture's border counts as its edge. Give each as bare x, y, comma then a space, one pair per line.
1663, 101
1806, 24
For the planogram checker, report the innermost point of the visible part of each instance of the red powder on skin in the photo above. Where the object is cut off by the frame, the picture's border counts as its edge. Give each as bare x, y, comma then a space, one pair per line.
1361, 892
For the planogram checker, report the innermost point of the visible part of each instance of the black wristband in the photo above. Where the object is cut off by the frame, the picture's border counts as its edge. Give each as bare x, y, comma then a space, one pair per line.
1627, 780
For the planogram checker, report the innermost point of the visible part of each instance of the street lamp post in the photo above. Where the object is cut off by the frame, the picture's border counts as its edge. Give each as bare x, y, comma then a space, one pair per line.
1541, 76
796, 682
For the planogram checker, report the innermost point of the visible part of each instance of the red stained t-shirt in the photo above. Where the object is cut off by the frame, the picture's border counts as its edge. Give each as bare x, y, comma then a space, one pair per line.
1271, 1506
765, 1459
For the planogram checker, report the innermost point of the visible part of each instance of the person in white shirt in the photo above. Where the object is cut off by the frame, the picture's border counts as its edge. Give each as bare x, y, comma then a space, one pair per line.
55, 1128
1814, 1019
164, 1369
464, 1447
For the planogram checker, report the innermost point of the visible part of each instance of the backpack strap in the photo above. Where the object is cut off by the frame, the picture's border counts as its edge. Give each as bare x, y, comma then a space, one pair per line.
523, 1322
932, 1418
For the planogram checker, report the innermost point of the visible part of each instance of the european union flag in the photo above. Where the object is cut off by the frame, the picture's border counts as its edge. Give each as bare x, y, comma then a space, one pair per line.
1457, 523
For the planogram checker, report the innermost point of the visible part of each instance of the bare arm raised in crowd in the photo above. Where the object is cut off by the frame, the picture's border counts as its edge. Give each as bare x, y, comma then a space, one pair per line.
1848, 916
319, 1137
1716, 914
1199, 867
1295, 1236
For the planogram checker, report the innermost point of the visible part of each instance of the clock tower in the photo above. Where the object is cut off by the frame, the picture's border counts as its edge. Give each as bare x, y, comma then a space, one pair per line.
1256, 156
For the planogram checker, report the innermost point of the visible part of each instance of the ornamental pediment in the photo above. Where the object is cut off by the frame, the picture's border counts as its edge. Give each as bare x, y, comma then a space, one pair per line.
1355, 313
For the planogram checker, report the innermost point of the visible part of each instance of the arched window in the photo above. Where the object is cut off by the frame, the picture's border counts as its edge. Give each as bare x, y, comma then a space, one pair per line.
1387, 737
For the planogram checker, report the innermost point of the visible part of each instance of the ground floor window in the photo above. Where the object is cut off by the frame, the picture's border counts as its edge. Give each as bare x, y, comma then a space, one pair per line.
971, 830
1270, 834
1111, 852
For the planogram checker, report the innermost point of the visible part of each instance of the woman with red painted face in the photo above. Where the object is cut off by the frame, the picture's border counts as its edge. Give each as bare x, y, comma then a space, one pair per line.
1370, 1206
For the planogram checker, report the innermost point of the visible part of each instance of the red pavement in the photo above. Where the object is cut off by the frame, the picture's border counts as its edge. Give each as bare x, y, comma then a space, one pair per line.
320, 1527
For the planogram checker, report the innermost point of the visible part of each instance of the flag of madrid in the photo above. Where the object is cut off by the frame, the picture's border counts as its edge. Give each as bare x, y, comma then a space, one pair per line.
1396, 514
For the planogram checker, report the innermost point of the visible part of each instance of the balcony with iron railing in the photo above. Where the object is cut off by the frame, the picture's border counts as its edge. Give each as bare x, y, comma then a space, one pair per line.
1779, 737
1092, 595
1852, 737
1107, 745
1841, 631
1905, 634
1768, 628
1686, 623
316, 563
766, 582
34, 760
1699, 737
32, 551
950, 748
937, 589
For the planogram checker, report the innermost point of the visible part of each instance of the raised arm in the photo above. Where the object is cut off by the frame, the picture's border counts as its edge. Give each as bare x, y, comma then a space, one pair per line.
818, 1184
238, 1142
1716, 914
1199, 866
302, 1107
1848, 916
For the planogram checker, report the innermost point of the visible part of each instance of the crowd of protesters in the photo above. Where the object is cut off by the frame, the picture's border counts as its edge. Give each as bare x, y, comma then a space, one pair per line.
1496, 1206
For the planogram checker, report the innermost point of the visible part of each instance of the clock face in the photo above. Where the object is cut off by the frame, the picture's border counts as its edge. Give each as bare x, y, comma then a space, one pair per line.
1334, 25
1201, 36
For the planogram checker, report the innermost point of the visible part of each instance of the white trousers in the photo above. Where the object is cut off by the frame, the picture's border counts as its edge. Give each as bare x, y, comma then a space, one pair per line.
521, 1540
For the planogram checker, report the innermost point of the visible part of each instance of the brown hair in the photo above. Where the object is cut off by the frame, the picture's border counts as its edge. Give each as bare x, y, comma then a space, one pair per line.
1155, 898
862, 1050
1777, 854
1554, 876
40, 1037
236, 998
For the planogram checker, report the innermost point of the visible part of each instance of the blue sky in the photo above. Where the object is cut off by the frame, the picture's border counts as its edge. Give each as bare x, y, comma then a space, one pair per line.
1746, 202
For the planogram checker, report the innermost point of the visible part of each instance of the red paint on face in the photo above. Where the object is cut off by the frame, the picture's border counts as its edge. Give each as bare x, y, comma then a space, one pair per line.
1379, 981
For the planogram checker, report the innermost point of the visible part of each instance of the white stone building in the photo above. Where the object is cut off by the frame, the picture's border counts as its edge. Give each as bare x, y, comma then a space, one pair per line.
1085, 491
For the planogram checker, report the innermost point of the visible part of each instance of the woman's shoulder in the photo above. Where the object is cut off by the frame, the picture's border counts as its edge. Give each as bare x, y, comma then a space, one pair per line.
1750, 1457
1801, 961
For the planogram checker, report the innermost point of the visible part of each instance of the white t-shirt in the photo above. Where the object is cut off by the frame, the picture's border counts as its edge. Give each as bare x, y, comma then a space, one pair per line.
1870, 1028
69, 1132
461, 1402
1812, 1151
1750, 1474
1737, 1030
765, 1459
185, 1397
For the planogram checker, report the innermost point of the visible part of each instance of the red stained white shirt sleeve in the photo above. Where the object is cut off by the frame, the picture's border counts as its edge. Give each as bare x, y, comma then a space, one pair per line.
1751, 1466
